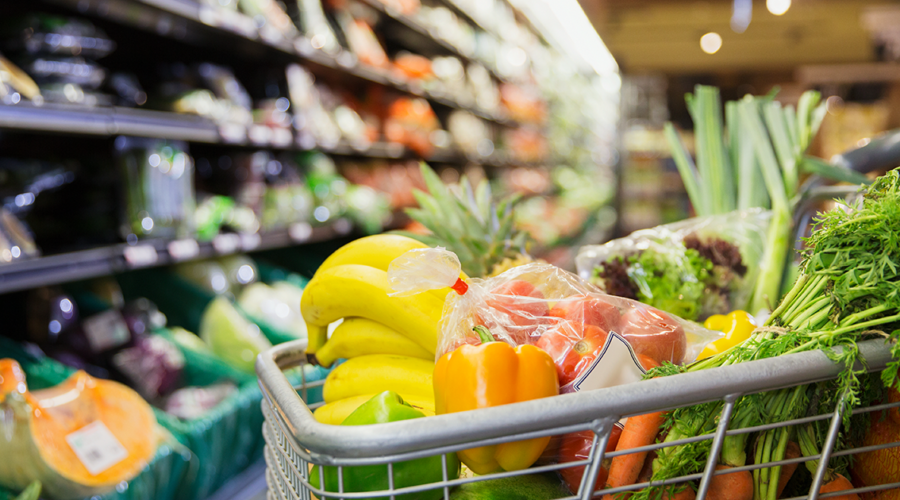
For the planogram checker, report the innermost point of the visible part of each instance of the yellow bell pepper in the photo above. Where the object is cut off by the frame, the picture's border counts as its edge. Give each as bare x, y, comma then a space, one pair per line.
493, 374
737, 325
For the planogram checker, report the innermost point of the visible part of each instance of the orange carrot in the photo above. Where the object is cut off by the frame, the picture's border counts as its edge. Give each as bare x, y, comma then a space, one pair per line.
733, 486
640, 430
792, 451
686, 494
839, 483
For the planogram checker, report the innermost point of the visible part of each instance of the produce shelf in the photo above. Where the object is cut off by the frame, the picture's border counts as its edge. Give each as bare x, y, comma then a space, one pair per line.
201, 25
83, 264
112, 121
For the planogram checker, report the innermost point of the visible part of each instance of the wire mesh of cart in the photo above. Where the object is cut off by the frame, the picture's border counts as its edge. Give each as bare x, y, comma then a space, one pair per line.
295, 441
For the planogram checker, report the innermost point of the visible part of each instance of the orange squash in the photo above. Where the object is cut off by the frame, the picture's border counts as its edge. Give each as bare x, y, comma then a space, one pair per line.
43, 429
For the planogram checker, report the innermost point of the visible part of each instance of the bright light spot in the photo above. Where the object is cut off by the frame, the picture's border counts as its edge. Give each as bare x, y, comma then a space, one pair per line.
778, 7
153, 160
55, 327
862, 142
20, 200
582, 37
16, 252
245, 274
219, 283
833, 104
711, 42
282, 310
282, 104
517, 56
65, 305
321, 214
147, 224
317, 41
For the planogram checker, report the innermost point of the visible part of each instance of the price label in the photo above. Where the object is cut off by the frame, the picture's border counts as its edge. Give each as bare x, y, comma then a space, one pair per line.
300, 231
259, 135
140, 255
183, 249
617, 364
96, 447
226, 243
250, 241
106, 330
281, 137
233, 132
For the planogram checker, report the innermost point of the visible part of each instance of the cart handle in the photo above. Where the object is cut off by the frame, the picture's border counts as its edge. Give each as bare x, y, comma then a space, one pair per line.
327, 442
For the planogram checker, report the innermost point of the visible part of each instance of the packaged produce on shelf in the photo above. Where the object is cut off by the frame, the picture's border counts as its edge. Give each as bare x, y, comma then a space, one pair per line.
470, 134
15, 83
524, 103
395, 179
356, 26
388, 406
230, 336
158, 177
58, 53
447, 26
273, 22
313, 123
413, 66
310, 18
470, 223
207, 90
694, 268
525, 144
73, 437
279, 304
832, 303
411, 121
483, 88
353, 128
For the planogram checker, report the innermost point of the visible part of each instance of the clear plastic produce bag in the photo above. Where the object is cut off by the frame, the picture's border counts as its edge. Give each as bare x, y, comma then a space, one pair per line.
692, 268
596, 340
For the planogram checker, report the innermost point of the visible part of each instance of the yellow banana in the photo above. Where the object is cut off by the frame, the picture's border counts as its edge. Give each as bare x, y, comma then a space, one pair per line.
356, 290
335, 413
359, 336
316, 337
374, 251
377, 373
378, 251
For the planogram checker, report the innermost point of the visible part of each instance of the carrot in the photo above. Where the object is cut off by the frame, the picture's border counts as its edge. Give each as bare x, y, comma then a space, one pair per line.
839, 483
685, 494
733, 486
792, 451
640, 430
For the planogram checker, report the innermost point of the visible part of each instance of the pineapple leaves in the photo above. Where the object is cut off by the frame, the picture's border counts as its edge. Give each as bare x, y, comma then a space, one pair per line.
466, 220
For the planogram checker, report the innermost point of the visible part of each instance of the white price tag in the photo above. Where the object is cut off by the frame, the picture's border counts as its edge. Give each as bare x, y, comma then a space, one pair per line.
259, 135
140, 255
300, 231
617, 364
250, 241
106, 330
183, 249
226, 243
233, 132
281, 137
96, 447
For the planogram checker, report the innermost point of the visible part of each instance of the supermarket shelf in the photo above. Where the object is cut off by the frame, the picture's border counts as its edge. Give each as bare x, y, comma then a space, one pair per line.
191, 22
110, 121
73, 266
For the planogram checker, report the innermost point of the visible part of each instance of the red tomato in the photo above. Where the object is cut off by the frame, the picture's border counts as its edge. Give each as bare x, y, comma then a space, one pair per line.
654, 334
577, 446
518, 307
587, 310
573, 349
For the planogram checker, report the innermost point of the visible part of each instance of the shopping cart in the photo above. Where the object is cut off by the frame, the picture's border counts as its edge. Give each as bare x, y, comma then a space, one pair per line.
295, 440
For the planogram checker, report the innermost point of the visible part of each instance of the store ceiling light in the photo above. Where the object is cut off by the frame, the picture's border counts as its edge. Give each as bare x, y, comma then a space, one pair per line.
711, 42
778, 7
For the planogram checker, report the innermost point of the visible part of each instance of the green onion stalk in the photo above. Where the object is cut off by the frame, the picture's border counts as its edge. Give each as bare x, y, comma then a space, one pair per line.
757, 163
848, 291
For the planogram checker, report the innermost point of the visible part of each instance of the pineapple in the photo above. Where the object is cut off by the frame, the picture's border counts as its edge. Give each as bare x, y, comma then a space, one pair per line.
470, 224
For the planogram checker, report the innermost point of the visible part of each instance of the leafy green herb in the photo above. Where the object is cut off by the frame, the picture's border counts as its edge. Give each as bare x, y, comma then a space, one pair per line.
848, 291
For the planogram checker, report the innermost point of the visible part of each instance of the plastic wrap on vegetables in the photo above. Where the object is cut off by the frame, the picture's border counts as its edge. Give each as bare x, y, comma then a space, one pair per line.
693, 268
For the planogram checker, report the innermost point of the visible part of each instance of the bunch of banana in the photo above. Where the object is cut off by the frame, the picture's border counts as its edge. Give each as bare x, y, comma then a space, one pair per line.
389, 342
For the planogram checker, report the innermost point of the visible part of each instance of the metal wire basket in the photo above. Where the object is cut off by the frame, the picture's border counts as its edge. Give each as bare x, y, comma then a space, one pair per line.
294, 439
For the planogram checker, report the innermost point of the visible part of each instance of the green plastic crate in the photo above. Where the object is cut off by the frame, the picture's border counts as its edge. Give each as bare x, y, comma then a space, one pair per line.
161, 479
